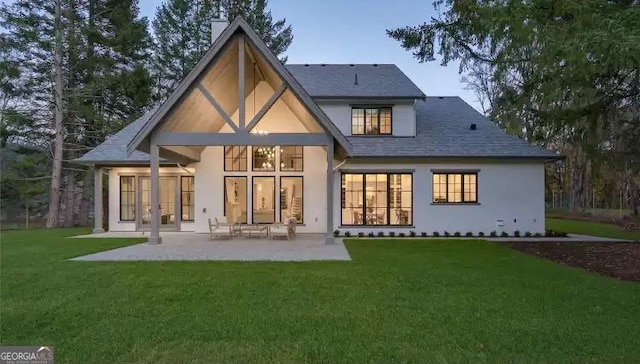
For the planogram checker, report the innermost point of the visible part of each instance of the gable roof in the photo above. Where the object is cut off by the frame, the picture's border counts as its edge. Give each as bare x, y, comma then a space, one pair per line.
239, 24
443, 131
338, 81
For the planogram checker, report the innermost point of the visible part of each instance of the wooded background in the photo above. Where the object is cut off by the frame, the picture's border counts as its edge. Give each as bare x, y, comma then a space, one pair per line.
561, 74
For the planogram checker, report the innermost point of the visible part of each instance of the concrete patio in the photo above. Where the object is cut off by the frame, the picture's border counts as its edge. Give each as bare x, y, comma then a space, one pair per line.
177, 246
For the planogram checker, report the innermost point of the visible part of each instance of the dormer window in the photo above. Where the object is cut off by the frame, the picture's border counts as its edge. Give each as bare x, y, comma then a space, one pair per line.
371, 120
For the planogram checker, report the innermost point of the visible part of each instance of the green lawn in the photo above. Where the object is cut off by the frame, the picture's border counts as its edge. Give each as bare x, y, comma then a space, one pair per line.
591, 228
397, 301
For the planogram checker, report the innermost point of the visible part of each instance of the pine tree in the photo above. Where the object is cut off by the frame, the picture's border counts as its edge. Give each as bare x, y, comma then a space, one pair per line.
182, 30
81, 75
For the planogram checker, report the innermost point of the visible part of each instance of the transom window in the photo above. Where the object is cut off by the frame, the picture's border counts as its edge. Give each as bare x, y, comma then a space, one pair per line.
264, 158
291, 158
235, 158
377, 199
371, 121
455, 187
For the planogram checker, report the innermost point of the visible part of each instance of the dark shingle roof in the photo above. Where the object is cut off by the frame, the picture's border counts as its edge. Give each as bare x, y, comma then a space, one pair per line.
338, 80
443, 130
114, 149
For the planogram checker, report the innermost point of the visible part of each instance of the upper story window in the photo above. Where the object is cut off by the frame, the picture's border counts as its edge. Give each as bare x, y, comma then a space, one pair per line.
371, 120
235, 158
291, 158
264, 158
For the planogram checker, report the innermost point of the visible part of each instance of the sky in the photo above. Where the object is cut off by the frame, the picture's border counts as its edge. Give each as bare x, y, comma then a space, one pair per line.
353, 31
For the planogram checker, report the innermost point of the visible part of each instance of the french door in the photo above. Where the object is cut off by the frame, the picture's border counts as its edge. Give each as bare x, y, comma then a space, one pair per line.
168, 206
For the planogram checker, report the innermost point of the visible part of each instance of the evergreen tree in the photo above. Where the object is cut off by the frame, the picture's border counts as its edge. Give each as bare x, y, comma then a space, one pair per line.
182, 31
79, 74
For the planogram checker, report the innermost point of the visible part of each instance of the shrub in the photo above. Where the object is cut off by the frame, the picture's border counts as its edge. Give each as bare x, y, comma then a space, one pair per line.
412, 233
360, 234
392, 234
555, 234
380, 234
446, 233
516, 233
481, 234
468, 234
504, 234
537, 235
527, 234
336, 233
423, 234
402, 235
457, 234
347, 234
493, 234
436, 234
371, 235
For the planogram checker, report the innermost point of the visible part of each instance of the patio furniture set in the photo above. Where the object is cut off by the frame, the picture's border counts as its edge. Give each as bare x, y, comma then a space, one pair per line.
221, 230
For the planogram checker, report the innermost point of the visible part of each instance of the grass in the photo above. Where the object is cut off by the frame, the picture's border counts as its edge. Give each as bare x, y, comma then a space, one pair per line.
397, 301
591, 228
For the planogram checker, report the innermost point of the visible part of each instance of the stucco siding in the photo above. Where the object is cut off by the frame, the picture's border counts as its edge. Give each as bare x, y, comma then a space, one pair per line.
209, 185
511, 192
403, 117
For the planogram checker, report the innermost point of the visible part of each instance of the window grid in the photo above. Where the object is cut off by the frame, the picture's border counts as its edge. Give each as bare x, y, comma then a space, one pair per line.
376, 199
187, 198
264, 158
127, 198
455, 188
235, 158
292, 158
371, 121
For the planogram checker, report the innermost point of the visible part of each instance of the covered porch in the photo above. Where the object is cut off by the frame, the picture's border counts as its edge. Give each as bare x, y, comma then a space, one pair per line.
240, 100
178, 246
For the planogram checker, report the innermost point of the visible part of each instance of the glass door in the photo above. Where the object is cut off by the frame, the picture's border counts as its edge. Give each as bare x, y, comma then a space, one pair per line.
168, 207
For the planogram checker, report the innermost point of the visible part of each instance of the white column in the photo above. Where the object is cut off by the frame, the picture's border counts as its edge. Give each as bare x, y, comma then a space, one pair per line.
97, 201
154, 161
329, 239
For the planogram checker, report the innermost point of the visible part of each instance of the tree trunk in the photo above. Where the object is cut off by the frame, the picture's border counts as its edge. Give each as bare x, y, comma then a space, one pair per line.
85, 201
56, 174
70, 194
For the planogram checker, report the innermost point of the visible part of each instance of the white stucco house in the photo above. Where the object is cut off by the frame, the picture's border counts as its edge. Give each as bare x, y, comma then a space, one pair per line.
348, 147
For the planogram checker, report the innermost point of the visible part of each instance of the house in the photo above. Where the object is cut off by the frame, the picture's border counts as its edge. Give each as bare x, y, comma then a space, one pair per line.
349, 147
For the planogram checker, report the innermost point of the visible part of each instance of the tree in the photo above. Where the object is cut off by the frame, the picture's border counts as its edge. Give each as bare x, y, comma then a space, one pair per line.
182, 34
560, 73
78, 74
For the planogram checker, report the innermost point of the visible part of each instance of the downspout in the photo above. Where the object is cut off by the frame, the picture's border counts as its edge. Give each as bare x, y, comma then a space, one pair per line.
340, 164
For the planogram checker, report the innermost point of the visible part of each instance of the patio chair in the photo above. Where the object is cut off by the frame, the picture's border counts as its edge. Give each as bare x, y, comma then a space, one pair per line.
219, 230
283, 229
279, 230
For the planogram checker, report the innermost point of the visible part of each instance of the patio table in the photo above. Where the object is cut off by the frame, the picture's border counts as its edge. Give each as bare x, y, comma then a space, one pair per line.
254, 229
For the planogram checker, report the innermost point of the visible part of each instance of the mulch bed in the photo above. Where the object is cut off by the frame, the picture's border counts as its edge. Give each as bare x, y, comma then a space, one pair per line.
617, 260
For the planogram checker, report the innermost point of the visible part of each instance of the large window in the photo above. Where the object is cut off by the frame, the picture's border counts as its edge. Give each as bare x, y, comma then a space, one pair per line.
264, 196
455, 187
187, 198
235, 158
235, 199
291, 198
127, 198
264, 158
371, 121
377, 199
291, 158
